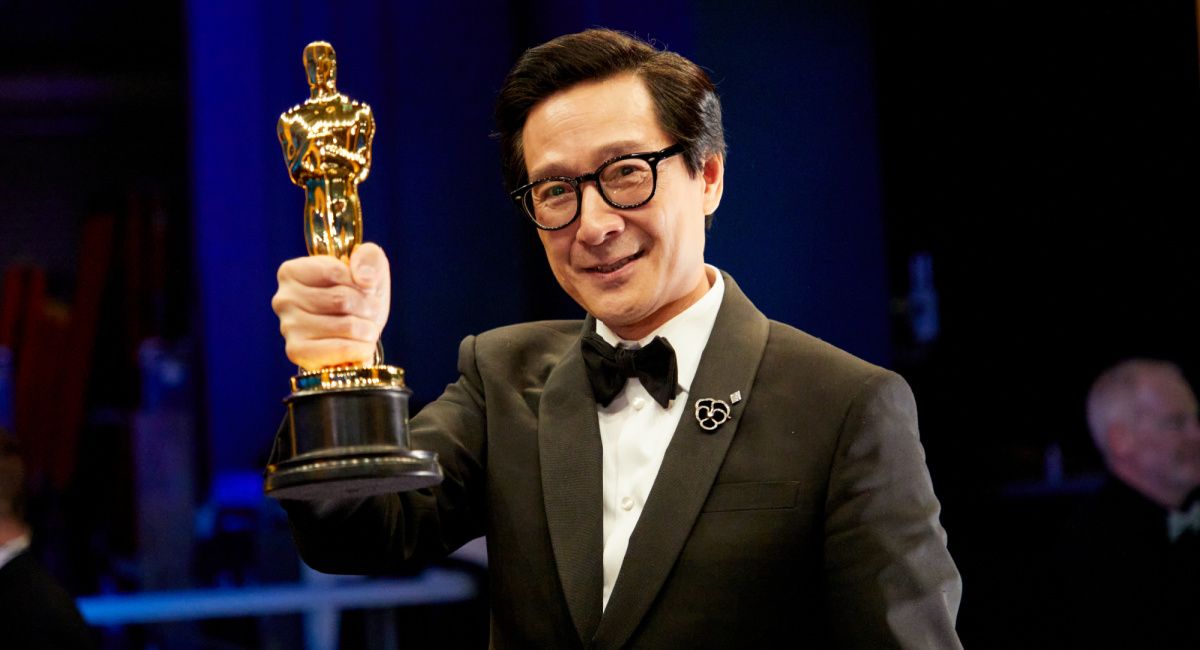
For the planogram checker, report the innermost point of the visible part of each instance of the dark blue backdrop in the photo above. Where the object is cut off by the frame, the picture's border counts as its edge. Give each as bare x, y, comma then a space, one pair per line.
799, 227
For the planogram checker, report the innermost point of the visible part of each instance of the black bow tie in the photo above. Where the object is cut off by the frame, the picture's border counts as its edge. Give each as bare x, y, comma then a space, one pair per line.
609, 367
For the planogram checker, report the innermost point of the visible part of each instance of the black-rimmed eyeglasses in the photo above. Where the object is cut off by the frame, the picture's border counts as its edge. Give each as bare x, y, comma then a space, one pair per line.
624, 182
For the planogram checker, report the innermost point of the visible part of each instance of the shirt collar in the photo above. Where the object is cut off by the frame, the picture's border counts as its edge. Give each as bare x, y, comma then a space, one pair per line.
12, 547
1179, 522
687, 332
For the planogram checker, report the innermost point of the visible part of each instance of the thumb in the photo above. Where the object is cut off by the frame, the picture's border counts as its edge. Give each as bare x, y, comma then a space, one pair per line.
369, 266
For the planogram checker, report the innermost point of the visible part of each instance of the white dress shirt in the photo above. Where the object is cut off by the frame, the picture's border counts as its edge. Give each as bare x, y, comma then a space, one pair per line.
635, 430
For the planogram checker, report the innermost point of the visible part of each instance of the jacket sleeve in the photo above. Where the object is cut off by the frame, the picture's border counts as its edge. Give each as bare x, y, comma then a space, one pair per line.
891, 581
396, 532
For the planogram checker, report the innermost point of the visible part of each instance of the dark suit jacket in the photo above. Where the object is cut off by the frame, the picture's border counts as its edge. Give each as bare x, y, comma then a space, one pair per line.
808, 517
35, 613
1119, 581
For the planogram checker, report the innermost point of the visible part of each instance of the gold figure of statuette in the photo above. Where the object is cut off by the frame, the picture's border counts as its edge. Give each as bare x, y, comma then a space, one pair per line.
327, 144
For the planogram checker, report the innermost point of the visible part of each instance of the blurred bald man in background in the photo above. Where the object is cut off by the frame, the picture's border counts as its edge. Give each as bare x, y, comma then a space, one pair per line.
1142, 415
1131, 560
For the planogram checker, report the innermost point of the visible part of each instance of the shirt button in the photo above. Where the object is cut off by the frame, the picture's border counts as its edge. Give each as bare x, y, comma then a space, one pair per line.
638, 403
627, 504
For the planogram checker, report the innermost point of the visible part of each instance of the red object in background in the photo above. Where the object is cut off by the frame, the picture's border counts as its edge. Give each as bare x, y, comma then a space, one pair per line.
52, 348
19, 283
27, 331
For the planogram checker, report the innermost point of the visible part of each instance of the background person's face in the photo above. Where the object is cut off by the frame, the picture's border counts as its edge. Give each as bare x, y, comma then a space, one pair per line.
633, 269
1166, 433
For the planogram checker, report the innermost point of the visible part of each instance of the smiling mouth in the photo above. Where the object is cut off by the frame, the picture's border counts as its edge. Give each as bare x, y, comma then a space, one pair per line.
615, 266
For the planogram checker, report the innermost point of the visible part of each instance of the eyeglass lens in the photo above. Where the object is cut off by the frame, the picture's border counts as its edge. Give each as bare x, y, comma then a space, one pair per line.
623, 183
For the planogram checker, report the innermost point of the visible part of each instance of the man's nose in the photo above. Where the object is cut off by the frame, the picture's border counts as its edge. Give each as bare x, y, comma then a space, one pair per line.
598, 221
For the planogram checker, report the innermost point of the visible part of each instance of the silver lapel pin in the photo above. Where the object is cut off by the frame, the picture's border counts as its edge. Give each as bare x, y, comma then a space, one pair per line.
711, 413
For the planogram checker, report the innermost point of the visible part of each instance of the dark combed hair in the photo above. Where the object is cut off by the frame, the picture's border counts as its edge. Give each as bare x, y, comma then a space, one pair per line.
684, 97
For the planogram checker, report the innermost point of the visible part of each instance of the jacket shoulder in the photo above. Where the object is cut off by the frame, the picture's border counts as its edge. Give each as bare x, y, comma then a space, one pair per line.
534, 333
798, 361
796, 346
525, 345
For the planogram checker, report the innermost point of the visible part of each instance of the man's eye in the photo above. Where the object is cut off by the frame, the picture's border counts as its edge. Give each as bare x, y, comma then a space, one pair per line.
552, 192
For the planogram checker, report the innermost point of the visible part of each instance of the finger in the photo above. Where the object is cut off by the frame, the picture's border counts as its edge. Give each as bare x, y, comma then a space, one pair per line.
299, 327
339, 300
369, 267
323, 353
315, 271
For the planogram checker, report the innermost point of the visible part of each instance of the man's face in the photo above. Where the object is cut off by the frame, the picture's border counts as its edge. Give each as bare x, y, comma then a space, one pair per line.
1165, 445
632, 269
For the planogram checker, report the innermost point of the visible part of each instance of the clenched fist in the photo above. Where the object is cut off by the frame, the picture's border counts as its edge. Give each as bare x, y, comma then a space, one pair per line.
330, 313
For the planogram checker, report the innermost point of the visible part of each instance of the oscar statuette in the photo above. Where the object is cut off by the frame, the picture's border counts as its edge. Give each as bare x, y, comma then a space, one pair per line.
347, 425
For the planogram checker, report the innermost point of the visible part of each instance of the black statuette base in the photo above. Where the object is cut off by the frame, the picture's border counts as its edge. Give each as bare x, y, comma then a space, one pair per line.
348, 443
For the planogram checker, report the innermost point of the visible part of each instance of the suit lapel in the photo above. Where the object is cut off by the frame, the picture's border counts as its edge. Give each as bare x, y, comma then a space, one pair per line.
569, 450
728, 364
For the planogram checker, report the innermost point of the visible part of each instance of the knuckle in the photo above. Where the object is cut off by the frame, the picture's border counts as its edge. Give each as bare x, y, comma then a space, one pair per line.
295, 353
289, 269
279, 302
347, 352
363, 330
330, 275
368, 309
333, 272
339, 303
346, 328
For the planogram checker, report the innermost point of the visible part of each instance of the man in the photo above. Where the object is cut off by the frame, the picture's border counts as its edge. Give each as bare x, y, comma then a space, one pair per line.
1130, 559
763, 488
34, 611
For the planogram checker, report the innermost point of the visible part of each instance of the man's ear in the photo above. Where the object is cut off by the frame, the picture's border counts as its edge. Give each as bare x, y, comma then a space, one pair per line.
714, 182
